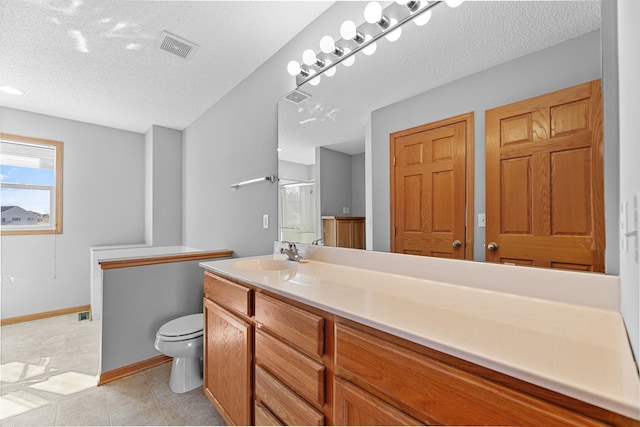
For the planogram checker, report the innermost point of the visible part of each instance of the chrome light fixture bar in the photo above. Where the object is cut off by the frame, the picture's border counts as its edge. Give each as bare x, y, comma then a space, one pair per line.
314, 67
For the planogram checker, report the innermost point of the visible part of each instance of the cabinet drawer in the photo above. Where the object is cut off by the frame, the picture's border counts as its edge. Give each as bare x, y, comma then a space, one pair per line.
353, 406
264, 417
284, 403
300, 328
230, 295
436, 392
304, 375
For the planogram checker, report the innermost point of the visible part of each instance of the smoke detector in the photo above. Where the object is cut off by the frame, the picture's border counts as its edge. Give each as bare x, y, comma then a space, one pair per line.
296, 96
176, 45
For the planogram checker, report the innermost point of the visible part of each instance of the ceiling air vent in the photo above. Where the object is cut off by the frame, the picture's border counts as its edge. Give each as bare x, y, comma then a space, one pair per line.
296, 96
176, 45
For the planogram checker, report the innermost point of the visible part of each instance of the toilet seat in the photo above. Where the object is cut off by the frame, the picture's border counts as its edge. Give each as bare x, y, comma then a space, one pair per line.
182, 329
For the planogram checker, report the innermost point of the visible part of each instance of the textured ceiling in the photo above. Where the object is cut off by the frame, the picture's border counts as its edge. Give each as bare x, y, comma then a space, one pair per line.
97, 61
455, 43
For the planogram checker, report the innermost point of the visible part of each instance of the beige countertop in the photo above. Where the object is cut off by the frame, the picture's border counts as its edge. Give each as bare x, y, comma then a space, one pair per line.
574, 349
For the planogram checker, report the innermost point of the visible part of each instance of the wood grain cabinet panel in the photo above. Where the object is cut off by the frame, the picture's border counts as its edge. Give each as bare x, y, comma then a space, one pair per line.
343, 231
283, 402
437, 393
304, 375
229, 295
353, 406
272, 369
264, 417
228, 363
298, 327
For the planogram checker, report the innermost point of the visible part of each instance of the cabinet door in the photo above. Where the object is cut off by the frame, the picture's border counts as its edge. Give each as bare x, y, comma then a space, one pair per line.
358, 234
329, 231
355, 407
227, 353
344, 233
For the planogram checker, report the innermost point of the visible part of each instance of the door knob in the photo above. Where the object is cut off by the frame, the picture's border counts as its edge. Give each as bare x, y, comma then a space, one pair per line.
456, 243
493, 246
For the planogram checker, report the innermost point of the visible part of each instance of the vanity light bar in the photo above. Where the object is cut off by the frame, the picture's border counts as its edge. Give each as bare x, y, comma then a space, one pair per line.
305, 75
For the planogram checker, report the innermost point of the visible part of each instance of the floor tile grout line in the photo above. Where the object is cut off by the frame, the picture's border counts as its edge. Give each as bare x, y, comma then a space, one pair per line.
108, 406
155, 397
69, 360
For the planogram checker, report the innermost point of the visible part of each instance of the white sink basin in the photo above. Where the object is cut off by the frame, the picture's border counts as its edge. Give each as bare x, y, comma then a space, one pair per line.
264, 264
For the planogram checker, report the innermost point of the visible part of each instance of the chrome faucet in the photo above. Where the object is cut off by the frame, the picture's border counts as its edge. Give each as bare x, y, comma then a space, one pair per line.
291, 252
317, 242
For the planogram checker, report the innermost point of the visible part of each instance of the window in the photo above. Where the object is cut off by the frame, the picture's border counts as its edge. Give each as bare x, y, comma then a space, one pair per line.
30, 185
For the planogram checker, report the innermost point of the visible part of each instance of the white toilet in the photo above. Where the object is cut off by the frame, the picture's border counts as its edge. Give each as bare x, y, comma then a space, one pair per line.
181, 339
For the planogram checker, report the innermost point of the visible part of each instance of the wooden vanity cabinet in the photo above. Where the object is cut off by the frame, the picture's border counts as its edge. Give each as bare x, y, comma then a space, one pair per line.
427, 390
289, 369
228, 349
343, 231
352, 406
273, 361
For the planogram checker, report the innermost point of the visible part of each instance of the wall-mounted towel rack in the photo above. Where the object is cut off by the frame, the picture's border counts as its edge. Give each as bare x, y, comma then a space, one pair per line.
270, 178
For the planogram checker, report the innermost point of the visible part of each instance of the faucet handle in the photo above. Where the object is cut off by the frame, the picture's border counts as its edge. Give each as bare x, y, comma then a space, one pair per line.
291, 245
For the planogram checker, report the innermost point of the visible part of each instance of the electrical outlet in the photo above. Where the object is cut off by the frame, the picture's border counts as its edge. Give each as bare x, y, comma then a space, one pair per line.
345, 210
265, 221
482, 220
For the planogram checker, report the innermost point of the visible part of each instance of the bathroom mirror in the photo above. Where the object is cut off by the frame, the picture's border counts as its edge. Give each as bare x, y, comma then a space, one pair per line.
334, 145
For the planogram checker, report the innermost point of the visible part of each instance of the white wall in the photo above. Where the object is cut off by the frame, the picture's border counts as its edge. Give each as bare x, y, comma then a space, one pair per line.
131, 317
290, 171
629, 81
334, 181
103, 203
233, 141
236, 140
358, 185
163, 186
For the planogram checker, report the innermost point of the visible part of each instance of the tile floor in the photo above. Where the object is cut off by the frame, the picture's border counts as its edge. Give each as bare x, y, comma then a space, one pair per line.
48, 377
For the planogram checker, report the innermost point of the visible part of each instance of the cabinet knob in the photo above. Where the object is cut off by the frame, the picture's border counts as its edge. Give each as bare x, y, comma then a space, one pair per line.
493, 246
456, 243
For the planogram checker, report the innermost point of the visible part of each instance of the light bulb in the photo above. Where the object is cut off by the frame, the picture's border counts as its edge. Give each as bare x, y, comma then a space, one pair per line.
373, 12
350, 60
402, 2
330, 72
293, 68
395, 34
348, 30
327, 45
314, 81
309, 57
422, 19
370, 49
454, 3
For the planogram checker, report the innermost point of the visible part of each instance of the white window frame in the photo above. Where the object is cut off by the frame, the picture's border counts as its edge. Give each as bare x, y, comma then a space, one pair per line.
55, 215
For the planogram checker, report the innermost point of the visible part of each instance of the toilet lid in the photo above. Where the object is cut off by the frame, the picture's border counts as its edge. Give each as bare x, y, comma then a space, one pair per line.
186, 325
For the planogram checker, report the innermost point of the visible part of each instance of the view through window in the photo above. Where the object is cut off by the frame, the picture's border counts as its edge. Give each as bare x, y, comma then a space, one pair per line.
30, 185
